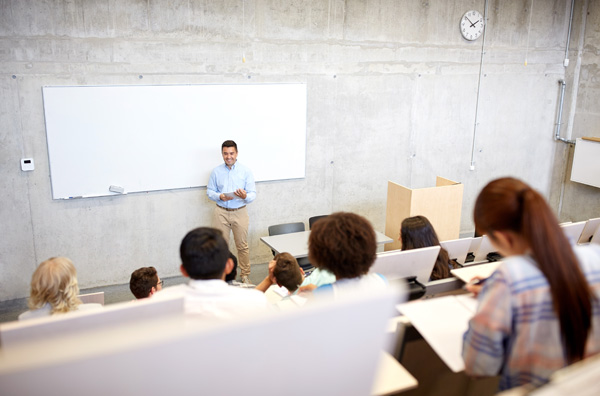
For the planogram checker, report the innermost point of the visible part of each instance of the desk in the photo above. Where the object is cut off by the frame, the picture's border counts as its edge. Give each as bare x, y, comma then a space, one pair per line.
296, 243
391, 377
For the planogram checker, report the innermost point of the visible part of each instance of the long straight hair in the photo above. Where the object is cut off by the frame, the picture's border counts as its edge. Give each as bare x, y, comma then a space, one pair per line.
417, 232
510, 205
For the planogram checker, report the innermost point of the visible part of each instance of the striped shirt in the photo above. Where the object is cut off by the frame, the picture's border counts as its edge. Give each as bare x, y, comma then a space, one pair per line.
515, 332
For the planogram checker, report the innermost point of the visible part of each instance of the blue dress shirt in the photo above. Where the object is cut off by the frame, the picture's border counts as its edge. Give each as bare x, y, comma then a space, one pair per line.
225, 180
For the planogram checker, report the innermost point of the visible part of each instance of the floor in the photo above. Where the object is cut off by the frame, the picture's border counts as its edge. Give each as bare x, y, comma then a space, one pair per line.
10, 310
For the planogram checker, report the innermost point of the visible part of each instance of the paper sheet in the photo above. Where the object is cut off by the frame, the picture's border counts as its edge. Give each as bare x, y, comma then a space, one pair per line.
482, 270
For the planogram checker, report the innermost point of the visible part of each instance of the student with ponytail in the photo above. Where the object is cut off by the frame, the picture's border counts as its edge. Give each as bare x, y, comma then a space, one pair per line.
540, 310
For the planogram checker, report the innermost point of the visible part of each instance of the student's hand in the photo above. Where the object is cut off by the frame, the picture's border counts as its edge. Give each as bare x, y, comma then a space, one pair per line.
224, 197
307, 288
271, 268
474, 286
240, 192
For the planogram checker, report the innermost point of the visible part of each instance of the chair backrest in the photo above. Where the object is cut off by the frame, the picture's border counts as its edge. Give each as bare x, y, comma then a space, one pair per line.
314, 219
397, 264
573, 231
88, 298
286, 228
137, 359
18, 332
484, 248
591, 226
457, 249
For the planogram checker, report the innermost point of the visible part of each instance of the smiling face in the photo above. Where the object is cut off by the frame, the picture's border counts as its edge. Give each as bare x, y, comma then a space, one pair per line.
229, 156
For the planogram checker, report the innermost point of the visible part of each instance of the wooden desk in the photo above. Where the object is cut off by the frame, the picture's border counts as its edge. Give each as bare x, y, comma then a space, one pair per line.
391, 377
296, 243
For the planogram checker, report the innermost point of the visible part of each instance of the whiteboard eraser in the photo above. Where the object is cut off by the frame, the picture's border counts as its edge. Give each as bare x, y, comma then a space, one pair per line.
116, 189
27, 164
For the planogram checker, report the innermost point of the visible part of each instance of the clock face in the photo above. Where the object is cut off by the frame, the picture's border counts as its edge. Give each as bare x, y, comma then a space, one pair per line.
471, 25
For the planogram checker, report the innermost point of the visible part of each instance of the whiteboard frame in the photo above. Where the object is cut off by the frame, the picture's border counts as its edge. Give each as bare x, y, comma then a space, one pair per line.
163, 137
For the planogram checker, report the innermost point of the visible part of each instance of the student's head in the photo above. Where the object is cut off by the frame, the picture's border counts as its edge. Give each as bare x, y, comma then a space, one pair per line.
55, 282
518, 220
343, 243
417, 232
509, 208
144, 282
287, 272
231, 276
204, 254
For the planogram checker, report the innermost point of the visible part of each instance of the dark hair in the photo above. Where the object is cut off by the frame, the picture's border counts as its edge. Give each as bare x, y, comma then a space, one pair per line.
343, 243
229, 143
231, 276
510, 205
417, 232
204, 253
142, 281
287, 271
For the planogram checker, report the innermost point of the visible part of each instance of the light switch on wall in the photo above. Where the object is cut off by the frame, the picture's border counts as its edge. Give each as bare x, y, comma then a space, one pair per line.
27, 164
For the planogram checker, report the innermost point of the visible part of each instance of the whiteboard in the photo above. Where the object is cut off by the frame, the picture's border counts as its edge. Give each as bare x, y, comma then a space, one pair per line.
586, 167
148, 138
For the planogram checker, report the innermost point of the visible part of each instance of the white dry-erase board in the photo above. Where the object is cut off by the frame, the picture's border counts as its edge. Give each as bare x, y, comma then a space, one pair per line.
148, 138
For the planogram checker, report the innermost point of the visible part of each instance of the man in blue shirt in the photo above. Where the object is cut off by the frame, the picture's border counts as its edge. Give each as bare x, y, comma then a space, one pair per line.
231, 186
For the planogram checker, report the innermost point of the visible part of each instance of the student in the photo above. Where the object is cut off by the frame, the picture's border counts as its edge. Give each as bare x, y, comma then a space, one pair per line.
318, 277
144, 282
205, 259
345, 244
417, 232
287, 273
540, 310
54, 290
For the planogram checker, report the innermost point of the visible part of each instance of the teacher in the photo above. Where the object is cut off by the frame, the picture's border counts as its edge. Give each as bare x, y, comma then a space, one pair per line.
231, 186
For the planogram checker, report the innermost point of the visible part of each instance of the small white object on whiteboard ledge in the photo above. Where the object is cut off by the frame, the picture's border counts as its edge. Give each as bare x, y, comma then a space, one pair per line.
116, 189
27, 164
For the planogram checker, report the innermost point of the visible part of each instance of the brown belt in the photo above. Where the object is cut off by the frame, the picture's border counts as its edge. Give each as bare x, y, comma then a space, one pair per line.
232, 210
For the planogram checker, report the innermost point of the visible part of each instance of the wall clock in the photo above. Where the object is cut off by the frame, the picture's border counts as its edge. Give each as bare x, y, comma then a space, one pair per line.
471, 25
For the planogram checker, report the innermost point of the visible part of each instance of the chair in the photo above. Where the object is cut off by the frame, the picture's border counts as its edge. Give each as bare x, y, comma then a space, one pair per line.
288, 228
97, 297
313, 219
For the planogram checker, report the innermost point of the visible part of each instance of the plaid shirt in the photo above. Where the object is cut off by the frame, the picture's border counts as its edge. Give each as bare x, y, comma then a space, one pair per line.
515, 331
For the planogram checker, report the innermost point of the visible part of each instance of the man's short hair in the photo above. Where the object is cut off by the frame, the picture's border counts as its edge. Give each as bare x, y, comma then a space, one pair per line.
142, 281
343, 243
231, 276
287, 271
229, 143
204, 253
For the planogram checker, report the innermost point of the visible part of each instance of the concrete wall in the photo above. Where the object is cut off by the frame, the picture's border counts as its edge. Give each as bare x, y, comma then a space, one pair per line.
579, 201
392, 95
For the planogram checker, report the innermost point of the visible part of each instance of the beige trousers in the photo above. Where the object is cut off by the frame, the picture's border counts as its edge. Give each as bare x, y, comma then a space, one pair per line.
236, 221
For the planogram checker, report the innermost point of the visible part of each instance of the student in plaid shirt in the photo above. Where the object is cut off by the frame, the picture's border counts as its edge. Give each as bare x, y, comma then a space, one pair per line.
540, 310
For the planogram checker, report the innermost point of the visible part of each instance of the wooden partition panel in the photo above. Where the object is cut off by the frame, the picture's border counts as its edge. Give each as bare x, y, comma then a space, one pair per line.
442, 205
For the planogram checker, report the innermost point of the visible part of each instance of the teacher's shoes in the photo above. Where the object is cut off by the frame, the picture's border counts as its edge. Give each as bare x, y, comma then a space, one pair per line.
246, 280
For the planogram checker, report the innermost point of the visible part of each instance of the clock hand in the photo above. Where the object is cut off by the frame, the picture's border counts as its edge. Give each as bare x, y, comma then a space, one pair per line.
469, 20
474, 23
